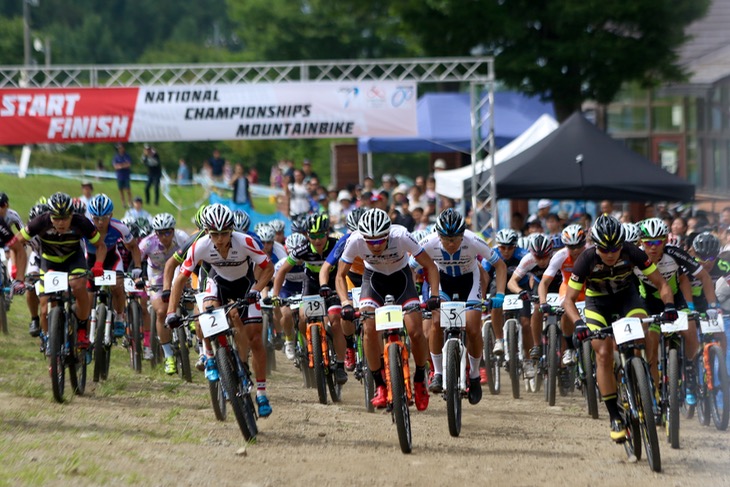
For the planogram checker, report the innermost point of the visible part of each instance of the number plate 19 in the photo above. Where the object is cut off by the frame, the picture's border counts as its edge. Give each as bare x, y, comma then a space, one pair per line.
213, 323
627, 330
389, 317
313, 306
453, 314
54, 282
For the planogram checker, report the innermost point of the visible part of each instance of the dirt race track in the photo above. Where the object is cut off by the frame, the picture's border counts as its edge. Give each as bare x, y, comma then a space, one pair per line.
152, 430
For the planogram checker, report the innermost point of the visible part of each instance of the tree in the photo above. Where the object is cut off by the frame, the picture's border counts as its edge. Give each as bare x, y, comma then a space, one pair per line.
11, 41
565, 52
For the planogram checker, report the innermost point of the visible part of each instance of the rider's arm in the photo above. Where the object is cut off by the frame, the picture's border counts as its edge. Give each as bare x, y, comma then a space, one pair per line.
281, 276
176, 292
430, 270
664, 290
513, 284
708, 287
263, 274
542, 288
324, 274
133, 248
341, 282
571, 295
500, 275
686, 287
521, 271
20, 258
100, 250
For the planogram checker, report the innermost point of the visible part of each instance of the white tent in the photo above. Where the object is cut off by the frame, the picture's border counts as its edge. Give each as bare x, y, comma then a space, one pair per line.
451, 183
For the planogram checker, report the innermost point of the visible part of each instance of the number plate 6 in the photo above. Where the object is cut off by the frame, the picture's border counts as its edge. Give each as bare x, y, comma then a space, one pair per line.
54, 282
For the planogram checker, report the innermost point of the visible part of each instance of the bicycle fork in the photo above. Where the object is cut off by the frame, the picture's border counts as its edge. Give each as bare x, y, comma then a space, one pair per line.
395, 341
323, 341
462, 363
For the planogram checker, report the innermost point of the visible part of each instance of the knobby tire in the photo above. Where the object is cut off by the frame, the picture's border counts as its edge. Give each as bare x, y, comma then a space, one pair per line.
589, 387
720, 393
512, 345
553, 364
57, 358
644, 400
674, 398
232, 387
318, 360
400, 399
99, 349
453, 394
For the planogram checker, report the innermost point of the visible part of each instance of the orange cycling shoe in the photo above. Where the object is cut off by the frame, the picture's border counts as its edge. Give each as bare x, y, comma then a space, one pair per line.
381, 397
421, 393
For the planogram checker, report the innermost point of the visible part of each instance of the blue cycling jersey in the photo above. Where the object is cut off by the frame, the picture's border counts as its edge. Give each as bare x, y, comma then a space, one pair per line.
115, 232
336, 253
511, 264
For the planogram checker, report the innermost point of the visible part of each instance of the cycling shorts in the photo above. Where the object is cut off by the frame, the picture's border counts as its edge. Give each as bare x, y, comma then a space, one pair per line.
225, 291
76, 264
34, 264
466, 286
601, 311
376, 286
311, 286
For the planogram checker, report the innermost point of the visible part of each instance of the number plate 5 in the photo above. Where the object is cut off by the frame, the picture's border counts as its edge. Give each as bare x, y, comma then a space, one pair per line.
627, 330
213, 323
453, 314
389, 317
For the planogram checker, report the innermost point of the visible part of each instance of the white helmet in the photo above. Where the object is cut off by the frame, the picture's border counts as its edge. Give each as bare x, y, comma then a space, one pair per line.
573, 235
241, 221
632, 232
163, 221
653, 228
277, 225
217, 217
540, 245
295, 240
506, 236
266, 233
374, 223
419, 235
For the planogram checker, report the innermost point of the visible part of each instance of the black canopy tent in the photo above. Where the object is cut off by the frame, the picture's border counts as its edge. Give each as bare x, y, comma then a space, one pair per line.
578, 161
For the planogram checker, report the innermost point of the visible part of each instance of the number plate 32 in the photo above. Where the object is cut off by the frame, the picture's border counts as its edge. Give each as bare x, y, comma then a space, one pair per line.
213, 323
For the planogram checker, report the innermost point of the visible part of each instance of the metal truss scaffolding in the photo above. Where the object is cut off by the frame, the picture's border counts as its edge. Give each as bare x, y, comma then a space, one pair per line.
477, 72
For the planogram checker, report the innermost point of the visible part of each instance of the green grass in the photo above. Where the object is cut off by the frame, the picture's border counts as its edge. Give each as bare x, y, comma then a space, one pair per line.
23, 194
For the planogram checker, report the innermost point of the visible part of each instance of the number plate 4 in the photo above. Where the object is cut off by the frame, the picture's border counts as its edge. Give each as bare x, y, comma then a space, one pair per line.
627, 330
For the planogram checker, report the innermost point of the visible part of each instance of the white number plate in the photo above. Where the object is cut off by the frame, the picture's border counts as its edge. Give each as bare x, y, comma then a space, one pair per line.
297, 301
355, 297
109, 278
712, 326
581, 305
453, 314
627, 330
54, 282
213, 323
554, 299
512, 301
389, 317
199, 300
313, 306
129, 286
681, 324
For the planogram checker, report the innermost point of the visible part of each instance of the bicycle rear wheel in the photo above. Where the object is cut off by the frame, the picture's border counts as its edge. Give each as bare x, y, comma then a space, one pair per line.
400, 398
157, 354
673, 390
3, 313
491, 364
76, 361
99, 348
644, 400
218, 399
55, 347
318, 360
513, 364
135, 340
334, 388
453, 394
719, 394
232, 387
590, 388
553, 354
632, 445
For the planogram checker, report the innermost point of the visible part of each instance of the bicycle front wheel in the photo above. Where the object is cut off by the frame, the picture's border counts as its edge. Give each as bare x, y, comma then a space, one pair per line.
183, 356
590, 389
491, 364
400, 398
318, 360
232, 387
56, 352
3, 313
100, 358
217, 399
334, 388
513, 364
369, 385
673, 390
135, 340
720, 391
76, 361
453, 394
644, 401
553, 355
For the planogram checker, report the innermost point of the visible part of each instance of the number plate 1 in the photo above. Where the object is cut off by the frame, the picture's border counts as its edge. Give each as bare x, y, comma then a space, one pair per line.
355, 297
680, 325
109, 278
213, 323
712, 326
313, 306
453, 314
512, 301
389, 317
54, 282
627, 330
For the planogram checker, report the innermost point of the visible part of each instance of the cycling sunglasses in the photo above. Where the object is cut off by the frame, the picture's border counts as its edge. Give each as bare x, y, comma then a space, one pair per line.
317, 236
377, 241
164, 233
575, 247
218, 234
709, 258
611, 250
653, 243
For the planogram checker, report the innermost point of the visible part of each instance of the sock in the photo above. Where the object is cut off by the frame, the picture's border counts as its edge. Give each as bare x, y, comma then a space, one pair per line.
474, 367
260, 387
350, 341
420, 374
569, 342
145, 338
82, 324
378, 377
438, 364
612, 406
167, 348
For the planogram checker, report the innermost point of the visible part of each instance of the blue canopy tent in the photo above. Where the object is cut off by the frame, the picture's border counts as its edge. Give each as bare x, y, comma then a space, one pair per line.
444, 123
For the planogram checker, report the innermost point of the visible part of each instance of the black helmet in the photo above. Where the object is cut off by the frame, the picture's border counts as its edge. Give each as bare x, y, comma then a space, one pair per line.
37, 210
540, 245
450, 223
607, 233
4, 199
706, 245
60, 205
318, 223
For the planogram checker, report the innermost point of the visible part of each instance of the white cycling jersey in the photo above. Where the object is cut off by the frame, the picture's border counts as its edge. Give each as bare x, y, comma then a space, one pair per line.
243, 254
463, 261
157, 255
393, 258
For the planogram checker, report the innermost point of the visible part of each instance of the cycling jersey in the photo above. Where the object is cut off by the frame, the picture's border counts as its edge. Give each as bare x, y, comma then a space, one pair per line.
156, 255
312, 261
278, 252
354, 274
6, 234
511, 264
243, 253
604, 280
12, 218
58, 247
528, 268
293, 280
183, 250
391, 260
463, 261
673, 263
115, 231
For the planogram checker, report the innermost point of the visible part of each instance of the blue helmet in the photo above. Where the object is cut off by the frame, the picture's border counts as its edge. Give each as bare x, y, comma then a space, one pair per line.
100, 205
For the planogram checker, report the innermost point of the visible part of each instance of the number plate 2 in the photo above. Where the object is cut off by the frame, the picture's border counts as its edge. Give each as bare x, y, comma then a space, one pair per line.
453, 314
389, 317
213, 323
627, 330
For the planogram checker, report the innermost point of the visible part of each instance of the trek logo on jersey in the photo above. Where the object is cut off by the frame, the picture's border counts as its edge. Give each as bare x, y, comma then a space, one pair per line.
384, 258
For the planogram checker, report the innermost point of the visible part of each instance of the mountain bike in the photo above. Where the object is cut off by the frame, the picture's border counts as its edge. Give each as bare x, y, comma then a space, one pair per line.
269, 337
235, 377
101, 324
585, 376
513, 348
453, 322
549, 364
321, 357
182, 336
635, 392
713, 384
493, 363
671, 375
6, 293
362, 370
62, 349
133, 336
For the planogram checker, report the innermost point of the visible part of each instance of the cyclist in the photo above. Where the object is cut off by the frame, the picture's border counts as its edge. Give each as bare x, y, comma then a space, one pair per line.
606, 272
574, 239
313, 256
239, 270
673, 263
633, 233
156, 249
354, 279
384, 249
456, 250
278, 226
60, 232
32, 274
511, 255
292, 286
112, 230
532, 265
276, 252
